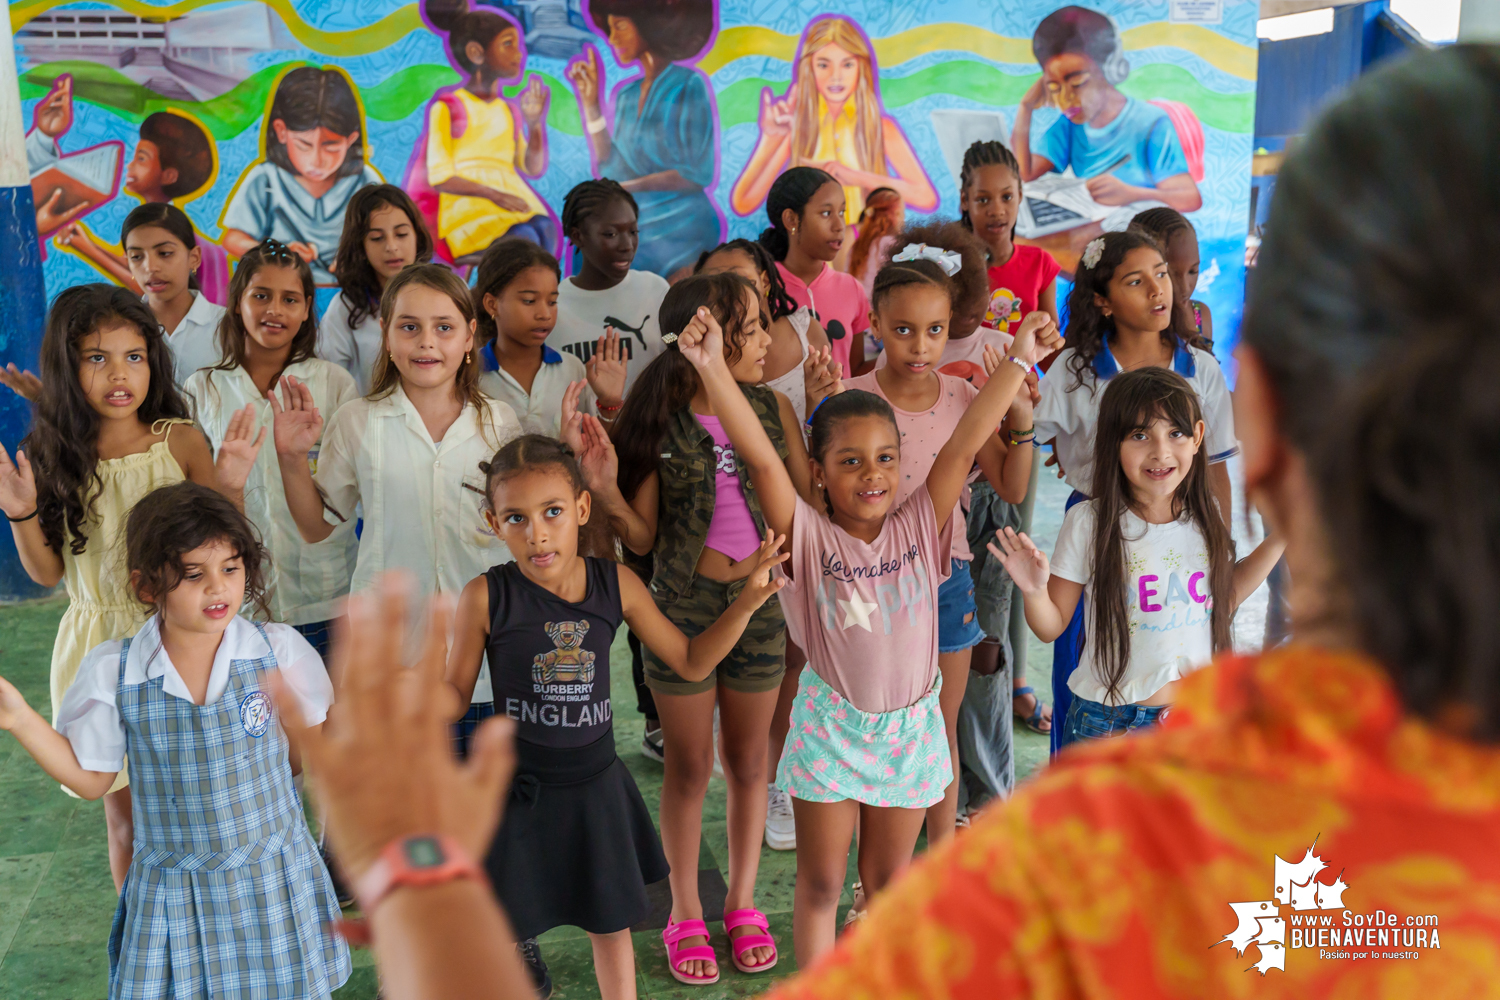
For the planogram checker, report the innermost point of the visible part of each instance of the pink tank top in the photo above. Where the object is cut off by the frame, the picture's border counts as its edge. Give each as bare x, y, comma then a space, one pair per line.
732, 530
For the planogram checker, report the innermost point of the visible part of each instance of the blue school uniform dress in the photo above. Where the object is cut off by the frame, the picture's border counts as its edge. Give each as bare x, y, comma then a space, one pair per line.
226, 895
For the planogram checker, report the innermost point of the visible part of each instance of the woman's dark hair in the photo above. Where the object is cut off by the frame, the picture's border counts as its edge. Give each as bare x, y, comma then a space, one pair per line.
587, 197
309, 98
970, 287
1372, 315
171, 521
501, 263
1133, 400
181, 145
987, 154
463, 25
674, 30
1078, 29
162, 215
777, 299
792, 190
232, 334
834, 410
358, 284
1087, 324
669, 382
529, 453
876, 219
63, 442
1161, 224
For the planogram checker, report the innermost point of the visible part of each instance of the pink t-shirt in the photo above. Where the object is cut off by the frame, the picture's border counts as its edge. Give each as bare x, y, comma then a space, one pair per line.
923, 435
866, 615
840, 303
965, 358
732, 529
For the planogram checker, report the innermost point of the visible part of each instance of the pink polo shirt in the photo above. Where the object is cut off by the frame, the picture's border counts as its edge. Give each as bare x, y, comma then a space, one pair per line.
840, 303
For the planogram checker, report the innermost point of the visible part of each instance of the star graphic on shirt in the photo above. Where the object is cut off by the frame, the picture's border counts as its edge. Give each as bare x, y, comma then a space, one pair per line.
857, 611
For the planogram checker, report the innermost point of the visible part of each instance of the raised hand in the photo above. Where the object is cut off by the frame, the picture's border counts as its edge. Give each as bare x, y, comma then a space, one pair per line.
584, 75
598, 460
23, 383
534, 100
1026, 564
17, 485
297, 425
306, 251
762, 581
775, 115
702, 340
570, 430
1036, 338
607, 369
54, 115
237, 453
821, 376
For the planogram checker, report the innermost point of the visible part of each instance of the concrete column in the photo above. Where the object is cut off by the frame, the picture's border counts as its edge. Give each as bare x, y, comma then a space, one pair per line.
1479, 21
23, 298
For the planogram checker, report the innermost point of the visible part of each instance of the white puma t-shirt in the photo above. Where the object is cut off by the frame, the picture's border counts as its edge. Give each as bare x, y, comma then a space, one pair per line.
632, 307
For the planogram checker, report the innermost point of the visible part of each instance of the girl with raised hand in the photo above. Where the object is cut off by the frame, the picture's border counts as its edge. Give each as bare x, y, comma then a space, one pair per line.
806, 211
798, 363
1120, 319
407, 453
1154, 552
383, 232
928, 406
110, 427
867, 741
577, 846
226, 896
684, 498
516, 292
270, 335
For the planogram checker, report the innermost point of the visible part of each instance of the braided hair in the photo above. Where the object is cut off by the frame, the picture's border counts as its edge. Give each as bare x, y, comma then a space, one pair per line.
991, 153
778, 300
587, 197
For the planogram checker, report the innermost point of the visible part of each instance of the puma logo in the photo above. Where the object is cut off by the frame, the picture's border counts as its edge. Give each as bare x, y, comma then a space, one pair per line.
620, 324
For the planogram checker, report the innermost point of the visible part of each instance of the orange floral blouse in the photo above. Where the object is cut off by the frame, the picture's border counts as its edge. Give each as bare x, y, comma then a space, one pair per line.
1360, 846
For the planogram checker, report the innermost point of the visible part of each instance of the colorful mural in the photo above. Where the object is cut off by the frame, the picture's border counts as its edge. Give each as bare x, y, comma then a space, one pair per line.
261, 118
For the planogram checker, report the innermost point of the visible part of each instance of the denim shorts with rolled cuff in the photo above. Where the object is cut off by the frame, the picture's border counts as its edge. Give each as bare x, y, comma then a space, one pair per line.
958, 614
1092, 720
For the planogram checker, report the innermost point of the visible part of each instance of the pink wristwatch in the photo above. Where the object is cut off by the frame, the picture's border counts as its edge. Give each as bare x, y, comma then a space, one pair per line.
426, 859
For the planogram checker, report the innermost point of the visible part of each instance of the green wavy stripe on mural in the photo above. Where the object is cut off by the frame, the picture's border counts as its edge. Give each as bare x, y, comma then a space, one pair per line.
236, 110
739, 102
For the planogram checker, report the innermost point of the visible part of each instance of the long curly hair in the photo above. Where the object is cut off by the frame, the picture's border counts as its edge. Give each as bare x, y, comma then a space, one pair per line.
64, 438
1087, 324
359, 286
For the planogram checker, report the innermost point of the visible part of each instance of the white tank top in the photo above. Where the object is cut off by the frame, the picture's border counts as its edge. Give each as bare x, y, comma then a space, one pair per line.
793, 384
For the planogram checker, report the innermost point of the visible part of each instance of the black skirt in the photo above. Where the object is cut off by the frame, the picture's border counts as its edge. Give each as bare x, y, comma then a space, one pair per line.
576, 846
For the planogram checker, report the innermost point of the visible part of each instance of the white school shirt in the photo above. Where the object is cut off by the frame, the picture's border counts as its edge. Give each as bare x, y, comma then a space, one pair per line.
89, 715
1068, 415
352, 348
423, 502
632, 307
540, 410
1167, 600
309, 579
195, 342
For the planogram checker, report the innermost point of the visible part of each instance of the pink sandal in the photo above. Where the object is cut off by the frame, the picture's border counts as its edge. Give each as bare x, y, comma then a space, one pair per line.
704, 952
752, 917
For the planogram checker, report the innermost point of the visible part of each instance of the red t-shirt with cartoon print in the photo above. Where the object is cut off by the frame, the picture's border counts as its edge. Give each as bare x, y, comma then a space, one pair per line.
1017, 285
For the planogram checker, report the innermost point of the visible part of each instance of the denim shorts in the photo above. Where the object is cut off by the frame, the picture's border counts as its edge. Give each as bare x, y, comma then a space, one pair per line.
958, 615
1091, 720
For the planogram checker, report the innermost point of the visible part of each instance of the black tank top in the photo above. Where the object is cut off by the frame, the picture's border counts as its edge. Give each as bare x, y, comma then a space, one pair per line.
549, 659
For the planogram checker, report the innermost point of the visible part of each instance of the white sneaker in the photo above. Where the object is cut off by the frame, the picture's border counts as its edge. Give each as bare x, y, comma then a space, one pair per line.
781, 824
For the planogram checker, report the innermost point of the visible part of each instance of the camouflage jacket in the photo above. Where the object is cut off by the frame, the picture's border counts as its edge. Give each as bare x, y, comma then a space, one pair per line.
686, 470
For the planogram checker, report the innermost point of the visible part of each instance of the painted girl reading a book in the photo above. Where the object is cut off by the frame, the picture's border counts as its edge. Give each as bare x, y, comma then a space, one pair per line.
173, 162
314, 162
1128, 149
468, 171
831, 118
66, 186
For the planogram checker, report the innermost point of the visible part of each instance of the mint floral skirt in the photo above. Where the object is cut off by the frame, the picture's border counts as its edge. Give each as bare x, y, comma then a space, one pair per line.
889, 759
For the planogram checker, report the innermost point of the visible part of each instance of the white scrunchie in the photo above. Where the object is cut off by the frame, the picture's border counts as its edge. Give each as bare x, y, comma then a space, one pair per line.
949, 260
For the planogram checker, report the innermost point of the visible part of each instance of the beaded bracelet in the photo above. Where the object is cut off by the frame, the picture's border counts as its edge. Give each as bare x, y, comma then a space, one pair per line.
1028, 436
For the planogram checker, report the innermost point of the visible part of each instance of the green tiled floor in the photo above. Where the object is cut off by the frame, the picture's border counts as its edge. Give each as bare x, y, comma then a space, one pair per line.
56, 898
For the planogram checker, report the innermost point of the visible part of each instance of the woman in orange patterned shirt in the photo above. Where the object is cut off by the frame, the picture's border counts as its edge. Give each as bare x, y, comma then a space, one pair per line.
1321, 820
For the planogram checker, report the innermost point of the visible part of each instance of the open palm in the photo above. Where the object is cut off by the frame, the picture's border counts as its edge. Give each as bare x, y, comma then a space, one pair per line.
239, 449
17, 485
1026, 564
296, 425
597, 459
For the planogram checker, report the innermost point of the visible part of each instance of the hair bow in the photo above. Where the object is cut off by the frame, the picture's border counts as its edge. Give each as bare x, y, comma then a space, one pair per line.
1093, 252
949, 260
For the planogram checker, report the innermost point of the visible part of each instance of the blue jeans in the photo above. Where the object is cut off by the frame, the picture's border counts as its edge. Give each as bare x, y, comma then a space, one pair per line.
958, 615
1091, 720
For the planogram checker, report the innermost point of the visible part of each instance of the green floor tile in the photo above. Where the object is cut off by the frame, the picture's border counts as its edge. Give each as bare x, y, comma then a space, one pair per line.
53, 972
75, 903
19, 878
36, 814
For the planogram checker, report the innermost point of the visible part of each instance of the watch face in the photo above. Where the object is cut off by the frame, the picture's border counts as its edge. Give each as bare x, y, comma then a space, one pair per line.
423, 852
